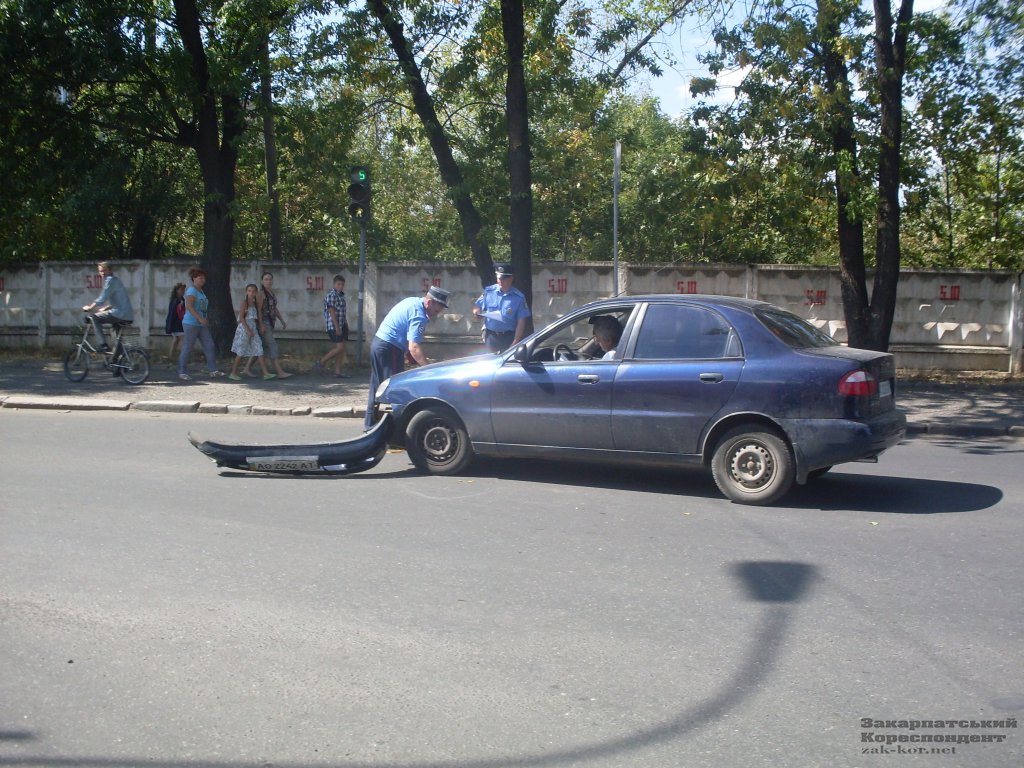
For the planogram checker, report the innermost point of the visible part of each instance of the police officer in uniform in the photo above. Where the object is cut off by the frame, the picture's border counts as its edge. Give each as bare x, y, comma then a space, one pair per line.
504, 310
400, 333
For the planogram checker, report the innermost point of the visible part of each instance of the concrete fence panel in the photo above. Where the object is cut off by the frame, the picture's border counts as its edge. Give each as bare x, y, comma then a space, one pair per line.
721, 280
560, 287
24, 314
952, 319
813, 293
960, 309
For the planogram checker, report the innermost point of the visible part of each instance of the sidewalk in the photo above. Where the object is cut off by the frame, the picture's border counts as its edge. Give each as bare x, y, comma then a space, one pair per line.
33, 383
967, 405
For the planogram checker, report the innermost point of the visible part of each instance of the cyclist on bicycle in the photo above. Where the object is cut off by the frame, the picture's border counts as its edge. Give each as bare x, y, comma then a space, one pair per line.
113, 304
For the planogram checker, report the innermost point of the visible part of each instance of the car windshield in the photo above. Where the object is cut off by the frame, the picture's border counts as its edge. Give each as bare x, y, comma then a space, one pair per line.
794, 331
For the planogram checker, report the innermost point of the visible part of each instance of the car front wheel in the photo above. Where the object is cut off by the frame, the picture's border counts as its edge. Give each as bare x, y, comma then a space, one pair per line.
752, 466
437, 442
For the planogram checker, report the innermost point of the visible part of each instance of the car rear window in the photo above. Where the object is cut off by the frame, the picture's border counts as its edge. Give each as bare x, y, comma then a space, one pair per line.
793, 330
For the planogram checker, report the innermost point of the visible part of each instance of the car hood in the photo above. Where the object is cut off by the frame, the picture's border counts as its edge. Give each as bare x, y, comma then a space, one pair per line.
430, 379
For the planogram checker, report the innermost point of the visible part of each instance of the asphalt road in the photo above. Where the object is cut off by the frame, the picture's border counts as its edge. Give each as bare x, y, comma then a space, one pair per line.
157, 611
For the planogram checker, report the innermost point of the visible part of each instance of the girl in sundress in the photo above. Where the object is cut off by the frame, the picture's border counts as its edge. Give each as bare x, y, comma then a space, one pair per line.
247, 341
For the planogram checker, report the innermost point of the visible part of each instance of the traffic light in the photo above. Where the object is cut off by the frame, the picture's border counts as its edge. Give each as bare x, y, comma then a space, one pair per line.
359, 194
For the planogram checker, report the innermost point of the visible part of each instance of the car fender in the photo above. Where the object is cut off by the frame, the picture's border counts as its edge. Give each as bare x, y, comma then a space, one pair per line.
476, 421
755, 419
461, 385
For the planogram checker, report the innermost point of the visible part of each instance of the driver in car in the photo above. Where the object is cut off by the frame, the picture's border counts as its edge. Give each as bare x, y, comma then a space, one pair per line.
607, 332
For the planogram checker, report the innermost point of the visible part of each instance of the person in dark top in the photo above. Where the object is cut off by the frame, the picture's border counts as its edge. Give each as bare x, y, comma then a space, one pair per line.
175, 314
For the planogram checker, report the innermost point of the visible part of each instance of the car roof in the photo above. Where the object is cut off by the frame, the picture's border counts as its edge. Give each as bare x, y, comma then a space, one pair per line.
736, 302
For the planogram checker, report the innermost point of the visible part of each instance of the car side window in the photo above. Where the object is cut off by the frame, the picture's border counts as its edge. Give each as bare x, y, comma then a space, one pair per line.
684, 332
576, 341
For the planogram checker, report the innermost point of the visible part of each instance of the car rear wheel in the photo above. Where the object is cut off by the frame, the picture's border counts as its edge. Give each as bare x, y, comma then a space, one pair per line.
752, 466
437, 442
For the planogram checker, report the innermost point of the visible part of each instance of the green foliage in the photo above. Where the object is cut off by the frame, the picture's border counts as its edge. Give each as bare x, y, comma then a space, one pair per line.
100, 102
74, 190
965, 188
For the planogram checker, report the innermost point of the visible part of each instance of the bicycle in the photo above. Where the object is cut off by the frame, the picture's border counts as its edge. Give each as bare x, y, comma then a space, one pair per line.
129, 362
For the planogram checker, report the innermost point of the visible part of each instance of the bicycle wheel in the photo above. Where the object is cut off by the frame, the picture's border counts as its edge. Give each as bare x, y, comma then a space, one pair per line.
134, 365
76, 363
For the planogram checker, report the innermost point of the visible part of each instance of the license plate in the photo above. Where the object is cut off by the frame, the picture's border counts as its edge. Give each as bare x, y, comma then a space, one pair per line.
885, 388
284, 464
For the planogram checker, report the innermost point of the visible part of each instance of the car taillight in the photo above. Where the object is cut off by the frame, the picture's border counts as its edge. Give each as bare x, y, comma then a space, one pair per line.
858, 384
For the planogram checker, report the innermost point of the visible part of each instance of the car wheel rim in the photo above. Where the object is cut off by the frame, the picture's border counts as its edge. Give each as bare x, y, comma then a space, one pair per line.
439, 442
752, 466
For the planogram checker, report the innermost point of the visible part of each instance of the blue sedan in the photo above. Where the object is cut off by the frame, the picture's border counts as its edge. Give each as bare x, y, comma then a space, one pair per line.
754, 393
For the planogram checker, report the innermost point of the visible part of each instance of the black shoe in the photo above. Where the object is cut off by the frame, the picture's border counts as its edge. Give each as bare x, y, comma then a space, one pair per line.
105, 349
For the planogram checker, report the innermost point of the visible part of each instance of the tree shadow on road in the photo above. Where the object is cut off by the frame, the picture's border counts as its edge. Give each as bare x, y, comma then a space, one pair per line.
779, 586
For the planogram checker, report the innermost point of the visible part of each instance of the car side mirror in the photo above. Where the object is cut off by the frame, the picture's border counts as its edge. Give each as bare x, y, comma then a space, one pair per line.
521, 354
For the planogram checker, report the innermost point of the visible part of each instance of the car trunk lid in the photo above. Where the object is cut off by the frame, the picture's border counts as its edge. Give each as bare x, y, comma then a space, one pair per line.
869, 387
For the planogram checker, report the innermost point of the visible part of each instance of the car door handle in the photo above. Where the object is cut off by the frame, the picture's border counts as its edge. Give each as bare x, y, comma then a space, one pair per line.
588, 378
711, 378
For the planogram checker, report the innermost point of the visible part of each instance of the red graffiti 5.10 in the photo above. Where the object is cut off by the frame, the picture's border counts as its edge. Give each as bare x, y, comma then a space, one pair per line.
949, 292
686, 286
815, 297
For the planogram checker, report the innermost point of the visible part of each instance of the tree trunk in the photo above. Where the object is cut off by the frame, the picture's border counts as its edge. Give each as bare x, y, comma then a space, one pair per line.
451, 174
270, 152
218, 158
142, 239
218, 169
890, 64
850, 226
518, 122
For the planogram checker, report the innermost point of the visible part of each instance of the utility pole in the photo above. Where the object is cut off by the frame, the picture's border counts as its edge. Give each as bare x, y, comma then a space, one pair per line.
615, 218
360, 210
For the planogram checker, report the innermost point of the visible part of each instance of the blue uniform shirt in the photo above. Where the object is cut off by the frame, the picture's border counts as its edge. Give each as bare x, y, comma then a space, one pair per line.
511, 305
407, 321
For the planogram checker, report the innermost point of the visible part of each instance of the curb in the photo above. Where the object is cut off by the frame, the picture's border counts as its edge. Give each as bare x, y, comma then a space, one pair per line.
167, 406
65, 403
916, 429
173, 406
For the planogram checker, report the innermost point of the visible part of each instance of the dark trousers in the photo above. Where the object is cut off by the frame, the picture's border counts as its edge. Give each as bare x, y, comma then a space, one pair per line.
98, 320
498, 341
385, 361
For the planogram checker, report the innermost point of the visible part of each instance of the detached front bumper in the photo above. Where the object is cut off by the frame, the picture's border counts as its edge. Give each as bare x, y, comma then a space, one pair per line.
345, 457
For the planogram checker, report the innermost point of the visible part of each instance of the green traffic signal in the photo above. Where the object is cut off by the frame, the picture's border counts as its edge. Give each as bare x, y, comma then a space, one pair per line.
359, 194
